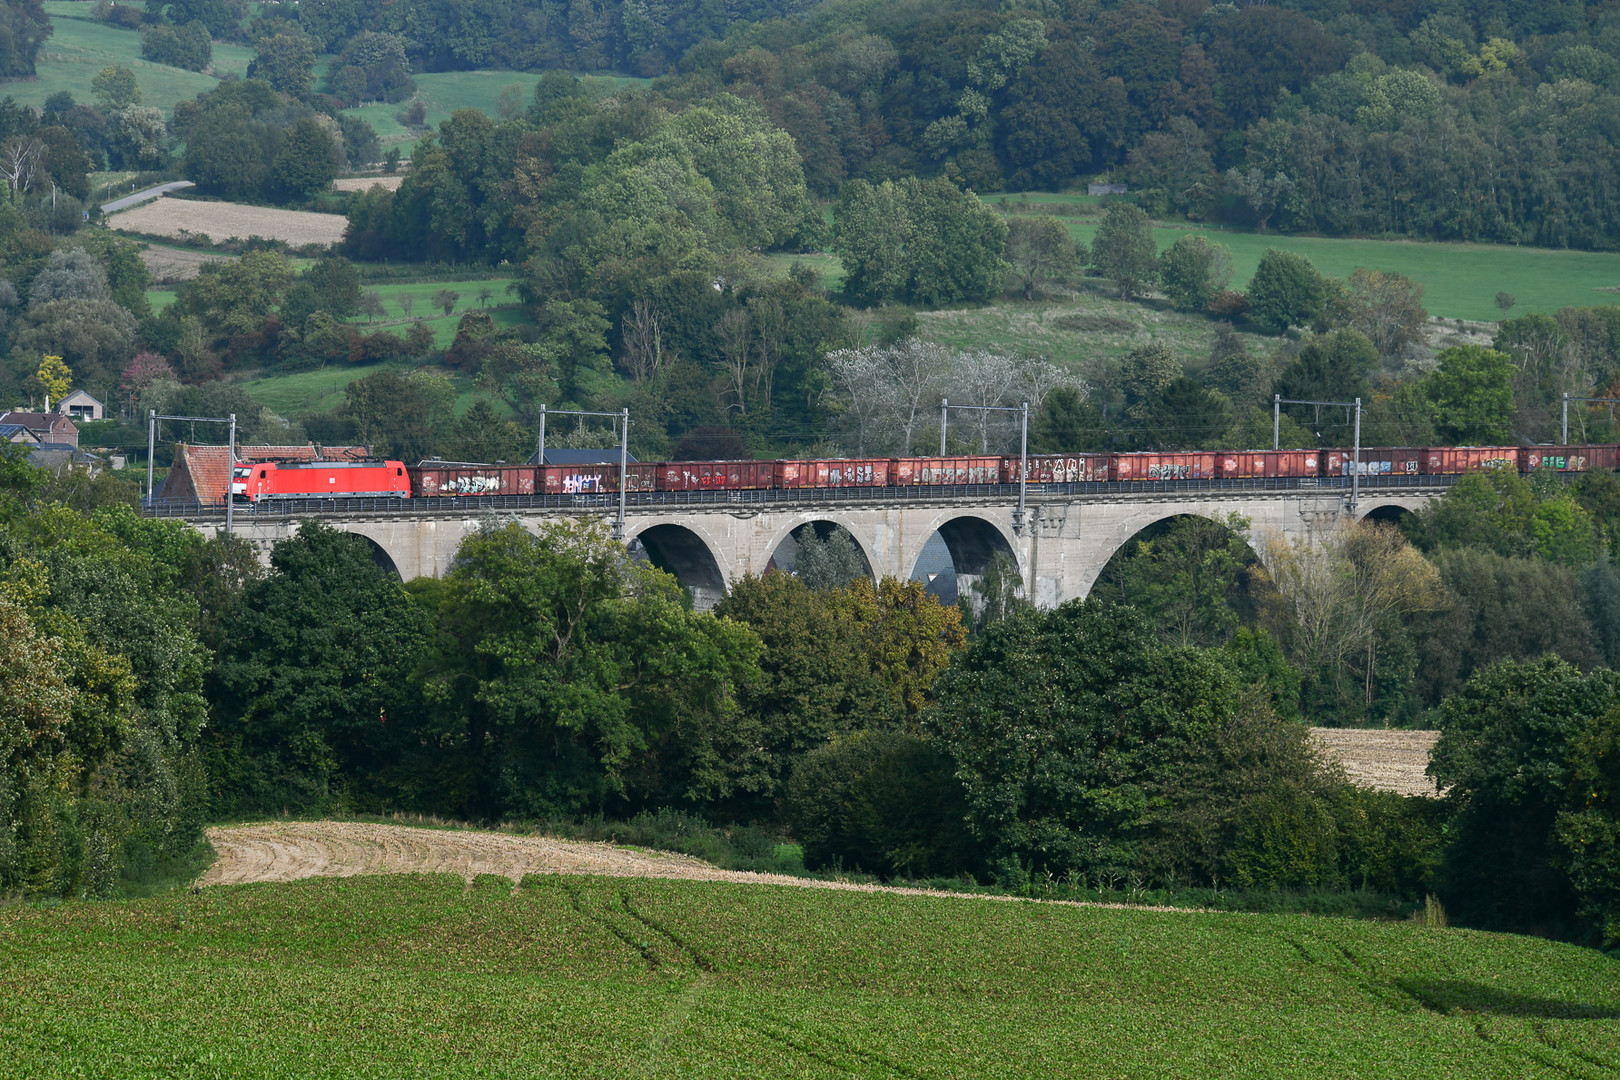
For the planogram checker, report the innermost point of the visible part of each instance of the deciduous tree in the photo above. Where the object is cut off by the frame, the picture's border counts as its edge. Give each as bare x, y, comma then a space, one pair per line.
1123, 249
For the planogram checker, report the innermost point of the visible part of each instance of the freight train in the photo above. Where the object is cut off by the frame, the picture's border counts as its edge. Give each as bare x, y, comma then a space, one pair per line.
269, 481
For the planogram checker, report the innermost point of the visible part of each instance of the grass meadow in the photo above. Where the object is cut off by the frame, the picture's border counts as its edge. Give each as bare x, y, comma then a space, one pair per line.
600, 977
79, 47
1073, 332
1460, 281
301, 393
446, 91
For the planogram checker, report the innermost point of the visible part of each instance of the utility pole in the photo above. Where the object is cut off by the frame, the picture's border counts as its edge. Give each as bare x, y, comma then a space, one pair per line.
1278, 401
1023, 469
151, 437
1355, 476
621, 420
1023, 453
1595, 400
624, 469
152, 419
1276, 421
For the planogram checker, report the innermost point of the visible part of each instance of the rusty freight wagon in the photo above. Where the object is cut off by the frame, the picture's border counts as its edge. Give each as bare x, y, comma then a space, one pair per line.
909, 472
853, 472
1154, 466
1057, 468
437, 479
1376, 461
716, 475
1266, 464
596, 479
1449, 460
1571, 458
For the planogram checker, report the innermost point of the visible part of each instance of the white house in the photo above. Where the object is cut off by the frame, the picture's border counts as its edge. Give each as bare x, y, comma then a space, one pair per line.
81, 406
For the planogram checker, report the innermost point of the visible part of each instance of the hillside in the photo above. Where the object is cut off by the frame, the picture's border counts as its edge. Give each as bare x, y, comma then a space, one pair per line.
614, 977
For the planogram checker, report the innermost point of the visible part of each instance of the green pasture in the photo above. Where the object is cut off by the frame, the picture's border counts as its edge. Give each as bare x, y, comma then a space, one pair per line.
1460, 281
1072, 332
829, 268
446, 91
422, 293
613, 977
305, 392
79, 47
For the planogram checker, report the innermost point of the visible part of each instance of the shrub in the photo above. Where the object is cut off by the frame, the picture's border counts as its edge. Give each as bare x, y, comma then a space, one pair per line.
883, 802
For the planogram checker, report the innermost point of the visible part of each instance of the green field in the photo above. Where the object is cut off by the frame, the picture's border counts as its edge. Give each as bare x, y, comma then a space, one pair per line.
446, 91
1460, 281
1073, 332
595, 977
79, 47
305, 392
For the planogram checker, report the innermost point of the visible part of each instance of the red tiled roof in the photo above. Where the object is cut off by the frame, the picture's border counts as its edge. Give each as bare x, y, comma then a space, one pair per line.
200, 473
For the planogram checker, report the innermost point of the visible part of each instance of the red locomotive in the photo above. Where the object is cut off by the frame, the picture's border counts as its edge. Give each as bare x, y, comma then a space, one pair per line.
261, 481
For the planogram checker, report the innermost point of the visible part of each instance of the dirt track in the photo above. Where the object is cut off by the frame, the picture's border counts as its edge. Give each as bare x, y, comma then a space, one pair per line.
290, 851
287, 851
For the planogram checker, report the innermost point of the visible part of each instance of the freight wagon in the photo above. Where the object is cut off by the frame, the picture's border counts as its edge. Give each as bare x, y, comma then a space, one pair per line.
1376, 461
717, 475
1154, 466
952, 471
1266, 464
858, 472
1451, 460
1057, 468
596, 479
1570, 458
438, 479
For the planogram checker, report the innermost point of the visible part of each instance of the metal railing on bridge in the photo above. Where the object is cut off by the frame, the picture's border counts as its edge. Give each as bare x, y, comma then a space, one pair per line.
606, 502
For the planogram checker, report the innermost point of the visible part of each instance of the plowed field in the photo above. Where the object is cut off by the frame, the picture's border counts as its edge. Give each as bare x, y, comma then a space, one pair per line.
1386, 760
222, 220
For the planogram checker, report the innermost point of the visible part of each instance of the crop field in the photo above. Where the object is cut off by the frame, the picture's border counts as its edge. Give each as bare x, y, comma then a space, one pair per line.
598, 977
171, 264
366, 183
80, 47
179, 218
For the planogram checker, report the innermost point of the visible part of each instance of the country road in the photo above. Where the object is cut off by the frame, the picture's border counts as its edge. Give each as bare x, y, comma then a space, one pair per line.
144, 196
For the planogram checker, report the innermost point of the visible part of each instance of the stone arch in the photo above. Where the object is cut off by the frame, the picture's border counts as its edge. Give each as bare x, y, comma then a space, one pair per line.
684, 554
384, 554
1388, 512
1122, 530
823, 524
972, 540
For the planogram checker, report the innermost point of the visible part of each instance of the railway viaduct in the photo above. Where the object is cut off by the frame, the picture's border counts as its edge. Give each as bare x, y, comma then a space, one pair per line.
1068, 538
